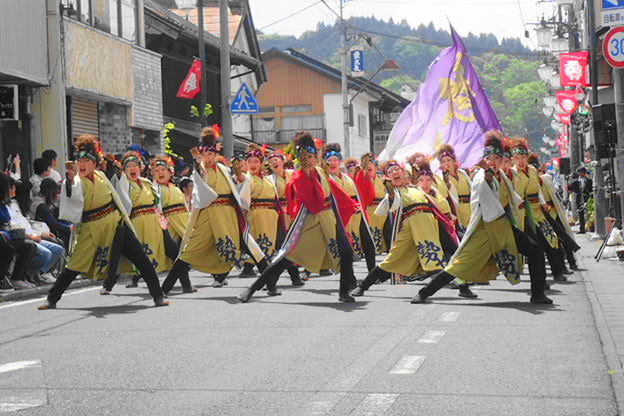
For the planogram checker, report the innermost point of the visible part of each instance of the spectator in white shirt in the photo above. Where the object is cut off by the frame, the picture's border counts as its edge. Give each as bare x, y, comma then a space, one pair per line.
42, 170
51, 155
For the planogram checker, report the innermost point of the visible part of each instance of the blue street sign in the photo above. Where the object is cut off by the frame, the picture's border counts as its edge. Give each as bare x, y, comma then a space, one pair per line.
357, 61
244, 102
612, 4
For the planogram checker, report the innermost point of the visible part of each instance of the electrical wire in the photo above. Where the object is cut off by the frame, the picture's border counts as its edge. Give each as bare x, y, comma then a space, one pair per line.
289, 16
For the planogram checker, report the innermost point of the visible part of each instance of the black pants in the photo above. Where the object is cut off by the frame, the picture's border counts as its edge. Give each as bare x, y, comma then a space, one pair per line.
580, 206
368, 245
373, 276
180, 270
527, 246
131, 249
270, 276
23, 250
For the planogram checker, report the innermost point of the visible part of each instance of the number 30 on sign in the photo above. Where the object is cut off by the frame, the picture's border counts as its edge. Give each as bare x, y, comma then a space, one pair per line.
613, 47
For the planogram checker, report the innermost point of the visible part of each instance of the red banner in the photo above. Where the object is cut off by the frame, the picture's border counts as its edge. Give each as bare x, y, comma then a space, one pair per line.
565, 119
573, 69
191, 85
561, 141
567, 100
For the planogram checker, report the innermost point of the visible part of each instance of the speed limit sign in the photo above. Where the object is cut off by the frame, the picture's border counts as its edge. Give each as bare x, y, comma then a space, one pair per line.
613, 47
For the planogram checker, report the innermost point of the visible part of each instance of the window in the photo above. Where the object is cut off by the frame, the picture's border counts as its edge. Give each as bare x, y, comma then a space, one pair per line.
117, 17
297, 108
362, 129
267, 109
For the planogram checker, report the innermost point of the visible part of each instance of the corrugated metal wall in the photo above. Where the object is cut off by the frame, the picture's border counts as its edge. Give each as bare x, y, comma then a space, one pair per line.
84, 117
23, 41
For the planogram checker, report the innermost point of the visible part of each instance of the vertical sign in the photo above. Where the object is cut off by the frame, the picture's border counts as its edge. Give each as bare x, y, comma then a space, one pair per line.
9, 104
357, 63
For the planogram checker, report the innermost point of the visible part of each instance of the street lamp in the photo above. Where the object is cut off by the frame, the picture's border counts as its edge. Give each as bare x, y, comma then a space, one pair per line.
548, 111
544, 72
544, 36
186, 4
550, 101
559, 44
555, 80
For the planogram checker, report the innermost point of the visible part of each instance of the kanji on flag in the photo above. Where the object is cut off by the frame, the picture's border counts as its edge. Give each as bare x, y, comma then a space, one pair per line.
191, 85
567, 100
564, 119
573, 69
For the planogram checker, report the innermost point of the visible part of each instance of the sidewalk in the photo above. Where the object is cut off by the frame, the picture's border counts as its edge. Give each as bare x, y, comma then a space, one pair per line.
604, 283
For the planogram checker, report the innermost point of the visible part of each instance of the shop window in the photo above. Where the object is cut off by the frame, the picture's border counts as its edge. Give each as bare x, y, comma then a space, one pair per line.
297, 108
362, 130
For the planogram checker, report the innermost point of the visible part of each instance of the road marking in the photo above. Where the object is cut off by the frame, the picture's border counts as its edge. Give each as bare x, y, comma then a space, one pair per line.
19, 365
325, 402
408, 364
431, 337
25, 302
449, 317
375, 404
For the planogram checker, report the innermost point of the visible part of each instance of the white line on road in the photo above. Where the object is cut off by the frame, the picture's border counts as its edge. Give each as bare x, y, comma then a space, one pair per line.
375, 404
408, 364
20, 404
325, 402
449, 317
19, 365
431, 337
25, 302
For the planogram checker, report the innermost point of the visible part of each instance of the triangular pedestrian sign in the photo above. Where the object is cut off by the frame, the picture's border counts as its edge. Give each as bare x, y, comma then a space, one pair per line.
244, 102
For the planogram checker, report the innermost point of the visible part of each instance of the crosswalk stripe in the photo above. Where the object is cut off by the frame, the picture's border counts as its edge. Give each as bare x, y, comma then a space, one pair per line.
449, 317
19, 365
375, 404
408, 364
431, 337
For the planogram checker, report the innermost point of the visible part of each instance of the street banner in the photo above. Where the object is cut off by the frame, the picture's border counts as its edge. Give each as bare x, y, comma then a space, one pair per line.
191, 85
565, 119
567, 100
450, 107
573, 69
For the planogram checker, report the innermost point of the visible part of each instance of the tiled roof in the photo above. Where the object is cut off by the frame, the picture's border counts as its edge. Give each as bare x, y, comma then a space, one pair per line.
211, 20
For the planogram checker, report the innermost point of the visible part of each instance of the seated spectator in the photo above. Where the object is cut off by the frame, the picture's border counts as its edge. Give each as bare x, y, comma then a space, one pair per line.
51, 156
12, 244
14, 169
48, 252
42, 170
45, 209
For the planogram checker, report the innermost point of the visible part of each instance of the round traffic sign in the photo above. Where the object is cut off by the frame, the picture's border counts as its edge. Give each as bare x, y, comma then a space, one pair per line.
613, 47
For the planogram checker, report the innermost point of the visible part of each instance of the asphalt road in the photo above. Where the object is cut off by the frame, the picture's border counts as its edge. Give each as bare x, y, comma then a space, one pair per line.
303, 353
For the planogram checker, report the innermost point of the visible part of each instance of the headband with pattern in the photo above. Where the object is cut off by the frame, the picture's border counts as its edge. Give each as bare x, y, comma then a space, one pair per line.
333, 153
492, 150
131, 159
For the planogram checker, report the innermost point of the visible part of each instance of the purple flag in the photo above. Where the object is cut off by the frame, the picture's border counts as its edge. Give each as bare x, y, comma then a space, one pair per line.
450, 107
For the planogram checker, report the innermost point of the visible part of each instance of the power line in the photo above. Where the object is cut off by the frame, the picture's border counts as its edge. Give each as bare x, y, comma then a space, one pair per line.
289, 16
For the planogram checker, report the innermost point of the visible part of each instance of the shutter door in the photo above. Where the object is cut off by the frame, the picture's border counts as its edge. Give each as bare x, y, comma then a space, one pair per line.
84, 117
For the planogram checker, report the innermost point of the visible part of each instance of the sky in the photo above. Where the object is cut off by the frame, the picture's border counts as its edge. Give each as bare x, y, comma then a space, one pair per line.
503, 18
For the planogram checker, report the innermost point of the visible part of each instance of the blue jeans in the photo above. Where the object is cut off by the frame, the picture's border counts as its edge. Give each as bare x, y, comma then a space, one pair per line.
47, 254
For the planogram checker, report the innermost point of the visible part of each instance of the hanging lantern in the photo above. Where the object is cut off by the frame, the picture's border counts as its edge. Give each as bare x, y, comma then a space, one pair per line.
550, 101
559, 45
555, 80
544, 72
544, 36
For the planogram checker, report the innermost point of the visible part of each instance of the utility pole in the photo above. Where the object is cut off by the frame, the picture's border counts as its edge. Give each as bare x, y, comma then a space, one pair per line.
345, 86
600, 204
226, 89
203, 93
574, 137
618, 89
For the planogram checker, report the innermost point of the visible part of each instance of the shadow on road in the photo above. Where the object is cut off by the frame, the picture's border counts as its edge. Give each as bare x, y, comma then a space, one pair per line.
520, 306
103, 311
339, 306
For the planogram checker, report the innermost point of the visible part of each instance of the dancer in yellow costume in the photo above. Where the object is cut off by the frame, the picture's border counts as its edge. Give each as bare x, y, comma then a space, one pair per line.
280, 177
417, 246
316, 238
459, 182
357, 228
372, 191
527, 184
103, 232
172, 200
214, 242
140, 199
492, 243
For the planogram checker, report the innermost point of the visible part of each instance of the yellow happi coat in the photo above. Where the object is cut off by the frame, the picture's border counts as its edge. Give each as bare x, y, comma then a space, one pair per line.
376, 222
461, 184
280, 184
488, 247
316, 246
174, 209
146, 221
441, 202
353, 227
212, 242
528, 185
262, 217
416, 247
92, 239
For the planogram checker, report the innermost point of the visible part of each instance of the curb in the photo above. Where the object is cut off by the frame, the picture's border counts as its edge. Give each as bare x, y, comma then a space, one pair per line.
608, 344
43, 290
